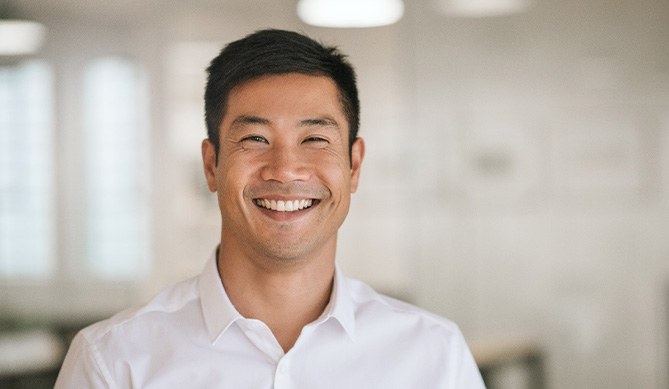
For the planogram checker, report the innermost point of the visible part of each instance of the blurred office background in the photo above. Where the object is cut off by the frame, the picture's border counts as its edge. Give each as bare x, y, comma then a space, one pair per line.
516, 178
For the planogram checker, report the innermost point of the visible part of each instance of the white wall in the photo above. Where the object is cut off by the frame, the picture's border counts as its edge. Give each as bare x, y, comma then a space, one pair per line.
541, 146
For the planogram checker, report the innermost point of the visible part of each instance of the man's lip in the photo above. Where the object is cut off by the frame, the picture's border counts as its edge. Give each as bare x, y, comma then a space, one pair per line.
294, 190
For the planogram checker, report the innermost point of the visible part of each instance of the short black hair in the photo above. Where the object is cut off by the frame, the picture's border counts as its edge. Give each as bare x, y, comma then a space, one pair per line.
273, 52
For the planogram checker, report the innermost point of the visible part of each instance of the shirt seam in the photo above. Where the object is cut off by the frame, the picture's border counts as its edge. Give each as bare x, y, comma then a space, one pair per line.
99, 362
133, 314
412, 310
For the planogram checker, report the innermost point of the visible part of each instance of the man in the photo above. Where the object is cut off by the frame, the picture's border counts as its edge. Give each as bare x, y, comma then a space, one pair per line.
271, 310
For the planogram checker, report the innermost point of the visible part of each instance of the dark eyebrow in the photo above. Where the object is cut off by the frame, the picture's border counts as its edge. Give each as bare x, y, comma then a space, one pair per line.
319, 121
322, 121
244, 120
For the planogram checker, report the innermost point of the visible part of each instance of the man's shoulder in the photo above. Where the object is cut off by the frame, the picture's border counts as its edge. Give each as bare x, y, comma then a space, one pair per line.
381, 307
389, 329
168, 301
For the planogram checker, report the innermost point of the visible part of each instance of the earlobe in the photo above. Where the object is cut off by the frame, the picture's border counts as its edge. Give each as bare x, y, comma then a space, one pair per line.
357, 155
209, 163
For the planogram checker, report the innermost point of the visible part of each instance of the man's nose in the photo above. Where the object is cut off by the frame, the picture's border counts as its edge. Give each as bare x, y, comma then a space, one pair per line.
284, 164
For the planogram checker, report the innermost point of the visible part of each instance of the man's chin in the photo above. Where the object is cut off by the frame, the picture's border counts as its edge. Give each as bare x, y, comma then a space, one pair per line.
280, 258
286, 254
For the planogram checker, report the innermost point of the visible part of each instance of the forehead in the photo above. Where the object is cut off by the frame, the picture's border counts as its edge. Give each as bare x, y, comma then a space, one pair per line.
286, 94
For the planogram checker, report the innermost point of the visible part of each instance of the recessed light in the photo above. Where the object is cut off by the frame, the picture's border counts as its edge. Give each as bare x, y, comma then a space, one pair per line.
20, 37
350, 13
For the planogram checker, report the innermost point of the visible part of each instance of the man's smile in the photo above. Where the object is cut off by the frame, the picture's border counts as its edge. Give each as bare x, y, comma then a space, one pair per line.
284, 205
293, 197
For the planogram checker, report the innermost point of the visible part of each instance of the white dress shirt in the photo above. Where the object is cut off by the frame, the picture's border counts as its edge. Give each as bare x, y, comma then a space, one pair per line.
191, 336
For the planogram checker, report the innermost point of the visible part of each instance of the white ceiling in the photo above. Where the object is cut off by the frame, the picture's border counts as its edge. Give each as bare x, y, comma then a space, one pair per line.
120, 11
636, 30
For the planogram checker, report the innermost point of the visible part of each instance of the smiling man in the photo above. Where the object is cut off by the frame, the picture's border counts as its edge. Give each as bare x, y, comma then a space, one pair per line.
271, 309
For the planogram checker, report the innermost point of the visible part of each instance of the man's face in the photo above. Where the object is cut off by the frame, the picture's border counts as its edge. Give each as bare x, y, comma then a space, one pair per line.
284, 178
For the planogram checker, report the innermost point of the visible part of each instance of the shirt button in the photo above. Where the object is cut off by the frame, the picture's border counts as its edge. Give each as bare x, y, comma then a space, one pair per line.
283, 368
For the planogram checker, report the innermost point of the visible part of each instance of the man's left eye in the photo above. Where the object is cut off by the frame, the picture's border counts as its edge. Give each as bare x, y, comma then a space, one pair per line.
315, 139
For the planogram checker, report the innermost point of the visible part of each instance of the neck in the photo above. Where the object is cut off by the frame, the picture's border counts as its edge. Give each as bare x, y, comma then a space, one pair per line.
284, 297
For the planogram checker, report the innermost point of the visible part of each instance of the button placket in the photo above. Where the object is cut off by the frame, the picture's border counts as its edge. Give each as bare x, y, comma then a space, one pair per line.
282, 378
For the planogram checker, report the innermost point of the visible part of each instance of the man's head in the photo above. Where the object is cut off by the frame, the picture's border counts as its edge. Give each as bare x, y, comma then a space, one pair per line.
274, 52
283, 154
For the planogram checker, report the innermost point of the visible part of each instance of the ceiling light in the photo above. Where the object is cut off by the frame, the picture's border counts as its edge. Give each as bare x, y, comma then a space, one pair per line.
20, 37
482, 8
350, 13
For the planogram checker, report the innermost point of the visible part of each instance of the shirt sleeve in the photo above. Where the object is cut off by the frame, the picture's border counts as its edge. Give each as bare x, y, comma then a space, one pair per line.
466, 372
471, 376
82, 367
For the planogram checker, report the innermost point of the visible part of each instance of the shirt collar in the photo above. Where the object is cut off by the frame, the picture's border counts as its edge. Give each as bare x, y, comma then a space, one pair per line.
219, 313
217, 309
341, 306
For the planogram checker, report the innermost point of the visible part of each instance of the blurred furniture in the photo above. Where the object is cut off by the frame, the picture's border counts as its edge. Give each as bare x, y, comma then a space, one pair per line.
32, 350
30, 358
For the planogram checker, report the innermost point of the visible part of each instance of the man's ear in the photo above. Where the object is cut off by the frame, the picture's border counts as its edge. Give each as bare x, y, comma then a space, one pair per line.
357, 154
209, 162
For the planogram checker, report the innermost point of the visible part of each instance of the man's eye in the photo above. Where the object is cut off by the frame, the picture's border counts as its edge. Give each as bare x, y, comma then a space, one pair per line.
255, 138
315, 139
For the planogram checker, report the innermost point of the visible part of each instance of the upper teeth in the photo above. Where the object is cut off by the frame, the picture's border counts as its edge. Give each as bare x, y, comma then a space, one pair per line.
284, 206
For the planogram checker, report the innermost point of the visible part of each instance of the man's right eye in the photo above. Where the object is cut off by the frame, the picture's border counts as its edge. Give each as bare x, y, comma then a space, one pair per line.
255, 138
